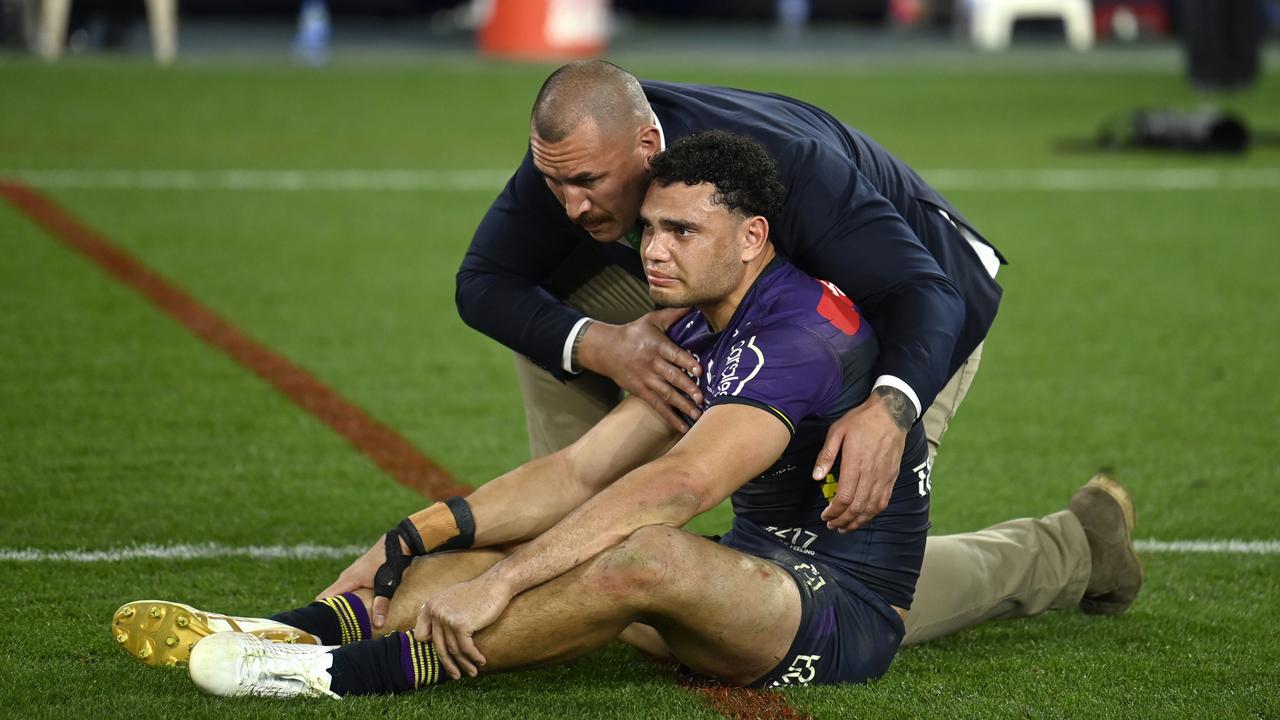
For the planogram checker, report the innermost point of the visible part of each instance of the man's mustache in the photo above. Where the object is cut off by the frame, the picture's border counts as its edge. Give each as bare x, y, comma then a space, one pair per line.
592, 219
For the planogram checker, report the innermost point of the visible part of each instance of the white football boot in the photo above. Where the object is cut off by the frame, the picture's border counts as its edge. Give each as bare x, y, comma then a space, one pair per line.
236, 664
159, 632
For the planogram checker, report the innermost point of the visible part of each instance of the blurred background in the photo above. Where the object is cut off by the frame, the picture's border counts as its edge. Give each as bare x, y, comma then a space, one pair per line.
313, 172
1222, 42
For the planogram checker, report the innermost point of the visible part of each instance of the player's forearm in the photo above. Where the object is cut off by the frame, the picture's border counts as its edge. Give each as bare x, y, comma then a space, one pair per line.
656, 494
522, 503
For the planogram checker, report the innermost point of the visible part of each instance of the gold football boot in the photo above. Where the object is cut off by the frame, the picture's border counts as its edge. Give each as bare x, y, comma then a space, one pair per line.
159, 632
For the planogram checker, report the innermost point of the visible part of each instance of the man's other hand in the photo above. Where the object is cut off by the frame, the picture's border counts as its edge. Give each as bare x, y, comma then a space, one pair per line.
869, 441
642, 360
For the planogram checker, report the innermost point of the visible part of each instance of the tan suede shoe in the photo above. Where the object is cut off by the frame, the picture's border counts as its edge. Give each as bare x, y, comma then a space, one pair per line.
1105, 510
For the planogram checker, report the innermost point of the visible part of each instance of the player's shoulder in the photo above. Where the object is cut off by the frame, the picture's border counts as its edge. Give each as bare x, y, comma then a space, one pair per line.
688, 328
769, 362
783, 366
793, 301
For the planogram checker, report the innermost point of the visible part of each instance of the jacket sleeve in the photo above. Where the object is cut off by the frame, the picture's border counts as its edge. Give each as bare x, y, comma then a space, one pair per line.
523, 238
836, 226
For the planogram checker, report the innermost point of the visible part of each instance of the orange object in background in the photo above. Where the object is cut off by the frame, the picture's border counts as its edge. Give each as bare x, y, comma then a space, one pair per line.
545, 29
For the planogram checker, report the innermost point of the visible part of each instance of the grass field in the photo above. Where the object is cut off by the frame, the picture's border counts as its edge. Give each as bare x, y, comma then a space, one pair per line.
1138, 331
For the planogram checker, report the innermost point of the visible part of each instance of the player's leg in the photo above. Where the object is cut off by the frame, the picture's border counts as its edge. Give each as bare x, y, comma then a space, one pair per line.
721, 612
427, 576
431, 574
647, 640
161, 632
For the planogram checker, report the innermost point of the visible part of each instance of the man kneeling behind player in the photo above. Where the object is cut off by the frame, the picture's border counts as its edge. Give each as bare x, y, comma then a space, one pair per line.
779, 600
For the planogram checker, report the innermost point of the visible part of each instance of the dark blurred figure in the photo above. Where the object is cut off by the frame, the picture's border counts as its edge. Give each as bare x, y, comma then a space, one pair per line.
17, 25
1223, 39
102, 24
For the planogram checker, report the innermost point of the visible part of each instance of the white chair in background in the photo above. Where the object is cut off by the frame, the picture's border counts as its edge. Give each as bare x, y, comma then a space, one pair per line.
991, 21
162, 19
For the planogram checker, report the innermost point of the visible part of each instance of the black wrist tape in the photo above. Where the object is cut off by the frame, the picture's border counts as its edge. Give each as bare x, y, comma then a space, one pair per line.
391, 572
387, 579
466, 523
409, 532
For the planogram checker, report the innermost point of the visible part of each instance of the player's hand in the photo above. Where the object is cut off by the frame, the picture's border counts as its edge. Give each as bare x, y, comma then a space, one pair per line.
869, 441
453, 616
359, 575
642, 360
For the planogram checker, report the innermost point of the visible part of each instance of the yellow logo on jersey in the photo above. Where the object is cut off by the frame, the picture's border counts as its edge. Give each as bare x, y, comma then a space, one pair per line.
829, 486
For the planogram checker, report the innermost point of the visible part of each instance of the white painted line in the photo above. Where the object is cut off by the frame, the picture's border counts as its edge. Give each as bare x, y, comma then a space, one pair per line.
307, 551
1221, 547
202, 551
489, 181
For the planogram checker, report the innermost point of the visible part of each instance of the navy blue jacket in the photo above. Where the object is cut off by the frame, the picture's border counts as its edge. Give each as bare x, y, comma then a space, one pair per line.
854, 215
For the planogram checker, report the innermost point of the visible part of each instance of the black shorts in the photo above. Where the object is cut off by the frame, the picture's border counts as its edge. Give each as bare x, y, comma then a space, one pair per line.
848, 634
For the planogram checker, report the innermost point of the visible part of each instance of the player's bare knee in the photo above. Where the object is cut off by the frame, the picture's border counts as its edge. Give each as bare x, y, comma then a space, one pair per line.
659, 543
640, 566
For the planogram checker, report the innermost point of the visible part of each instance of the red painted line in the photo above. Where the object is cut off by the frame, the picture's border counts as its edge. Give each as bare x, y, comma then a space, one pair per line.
738, 703
389, 450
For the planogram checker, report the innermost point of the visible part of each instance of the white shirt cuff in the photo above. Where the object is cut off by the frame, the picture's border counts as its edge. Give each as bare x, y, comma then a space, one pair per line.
897, 384
566, 356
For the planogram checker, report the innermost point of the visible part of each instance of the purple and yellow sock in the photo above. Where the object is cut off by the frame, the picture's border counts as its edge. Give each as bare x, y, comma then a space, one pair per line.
418, 662
337, 620
393, 664
353, 619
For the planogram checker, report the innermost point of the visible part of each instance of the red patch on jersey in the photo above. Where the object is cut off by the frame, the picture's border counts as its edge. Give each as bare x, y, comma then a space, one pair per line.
836, 307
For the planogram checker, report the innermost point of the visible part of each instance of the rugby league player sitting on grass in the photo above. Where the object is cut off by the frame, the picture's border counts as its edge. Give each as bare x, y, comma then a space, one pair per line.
570, 551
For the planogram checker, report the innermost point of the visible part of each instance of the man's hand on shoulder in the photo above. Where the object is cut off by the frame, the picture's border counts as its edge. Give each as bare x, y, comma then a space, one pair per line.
642, 360
869, 440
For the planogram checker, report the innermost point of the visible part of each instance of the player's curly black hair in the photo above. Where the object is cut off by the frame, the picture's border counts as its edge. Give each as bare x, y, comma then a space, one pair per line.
743, 172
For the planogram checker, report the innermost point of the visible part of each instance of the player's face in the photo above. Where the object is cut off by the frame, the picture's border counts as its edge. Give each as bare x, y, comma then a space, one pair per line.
598, 177
690, 245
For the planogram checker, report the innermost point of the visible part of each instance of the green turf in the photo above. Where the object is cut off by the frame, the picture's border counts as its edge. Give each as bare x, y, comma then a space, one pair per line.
1137, 333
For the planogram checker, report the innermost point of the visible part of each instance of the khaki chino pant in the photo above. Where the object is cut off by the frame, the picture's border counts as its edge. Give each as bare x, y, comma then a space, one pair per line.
1018, 568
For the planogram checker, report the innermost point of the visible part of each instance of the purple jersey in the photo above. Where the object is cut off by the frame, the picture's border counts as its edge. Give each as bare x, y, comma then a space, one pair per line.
799, 349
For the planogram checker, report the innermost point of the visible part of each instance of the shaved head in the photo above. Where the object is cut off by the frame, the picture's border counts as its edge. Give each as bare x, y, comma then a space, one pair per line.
592, 89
